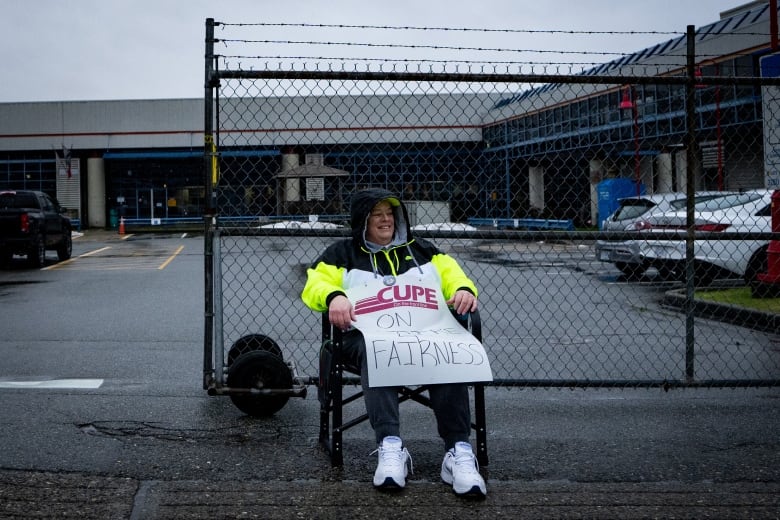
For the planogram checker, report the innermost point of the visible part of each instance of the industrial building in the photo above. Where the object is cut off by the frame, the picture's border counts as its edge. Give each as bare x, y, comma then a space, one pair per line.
505, 153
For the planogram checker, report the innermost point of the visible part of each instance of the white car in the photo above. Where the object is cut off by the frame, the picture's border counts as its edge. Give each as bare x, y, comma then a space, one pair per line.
633, 209
746, 212
631, 215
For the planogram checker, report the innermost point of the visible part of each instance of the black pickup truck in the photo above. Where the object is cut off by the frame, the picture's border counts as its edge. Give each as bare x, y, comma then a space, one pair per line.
30, 223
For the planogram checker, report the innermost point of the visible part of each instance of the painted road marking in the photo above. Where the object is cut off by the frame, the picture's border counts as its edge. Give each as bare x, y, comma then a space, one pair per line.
71, 260
90, 253
170, 258
120, 259
83, 384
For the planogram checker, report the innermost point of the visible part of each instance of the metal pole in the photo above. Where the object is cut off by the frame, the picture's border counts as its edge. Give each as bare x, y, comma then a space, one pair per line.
773, 24
219, 345
637, 161
208, 217
690, 188
719, 132
507, 186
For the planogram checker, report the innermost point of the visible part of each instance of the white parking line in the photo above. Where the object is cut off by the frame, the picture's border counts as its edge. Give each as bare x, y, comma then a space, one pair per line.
84, 384
70, 260
96, 251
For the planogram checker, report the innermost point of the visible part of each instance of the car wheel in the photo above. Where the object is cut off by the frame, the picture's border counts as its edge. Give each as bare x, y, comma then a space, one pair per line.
631, 270
65, 249
262, 370
759, 263
703, 274
36, 257
670, 272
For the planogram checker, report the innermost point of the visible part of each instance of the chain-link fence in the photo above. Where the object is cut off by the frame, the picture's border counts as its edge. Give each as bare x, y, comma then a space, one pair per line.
515, 175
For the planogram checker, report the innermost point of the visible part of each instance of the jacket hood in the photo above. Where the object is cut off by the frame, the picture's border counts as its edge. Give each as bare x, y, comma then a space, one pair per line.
361, 205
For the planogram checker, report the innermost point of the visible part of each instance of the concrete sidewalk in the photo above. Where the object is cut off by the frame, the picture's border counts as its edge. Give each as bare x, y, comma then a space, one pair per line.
25, 494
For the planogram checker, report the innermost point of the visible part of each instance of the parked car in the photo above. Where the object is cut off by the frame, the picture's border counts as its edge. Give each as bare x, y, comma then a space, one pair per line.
632, 209
747, 212
30, 223
631, 215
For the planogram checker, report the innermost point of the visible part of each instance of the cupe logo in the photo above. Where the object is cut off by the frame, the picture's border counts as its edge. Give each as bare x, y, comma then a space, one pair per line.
399, 296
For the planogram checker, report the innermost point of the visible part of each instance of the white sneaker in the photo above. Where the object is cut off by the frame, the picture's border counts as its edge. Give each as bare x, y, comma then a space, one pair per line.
392, 470
461, 471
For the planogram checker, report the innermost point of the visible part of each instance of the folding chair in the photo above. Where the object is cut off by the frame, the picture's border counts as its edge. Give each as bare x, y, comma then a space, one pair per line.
335, 373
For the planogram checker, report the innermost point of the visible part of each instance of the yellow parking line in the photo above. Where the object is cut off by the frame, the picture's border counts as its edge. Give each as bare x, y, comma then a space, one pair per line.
170, 258
70, 260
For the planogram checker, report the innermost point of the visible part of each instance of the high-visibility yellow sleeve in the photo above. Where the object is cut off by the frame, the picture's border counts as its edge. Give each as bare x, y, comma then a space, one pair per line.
321, 281
452, 275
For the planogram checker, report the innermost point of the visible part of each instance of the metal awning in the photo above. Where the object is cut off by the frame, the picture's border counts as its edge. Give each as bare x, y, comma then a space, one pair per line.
311, 170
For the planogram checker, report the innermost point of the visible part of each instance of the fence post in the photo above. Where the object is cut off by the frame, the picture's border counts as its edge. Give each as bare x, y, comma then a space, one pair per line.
208, 246
691, 149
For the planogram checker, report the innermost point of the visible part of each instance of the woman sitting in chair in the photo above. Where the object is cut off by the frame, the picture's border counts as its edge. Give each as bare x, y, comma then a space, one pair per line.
381, 249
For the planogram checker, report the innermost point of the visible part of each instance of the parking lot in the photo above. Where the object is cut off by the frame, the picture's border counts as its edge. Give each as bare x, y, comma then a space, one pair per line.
154, 445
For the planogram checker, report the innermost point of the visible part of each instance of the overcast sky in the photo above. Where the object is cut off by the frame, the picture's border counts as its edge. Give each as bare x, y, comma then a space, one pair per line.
150, 49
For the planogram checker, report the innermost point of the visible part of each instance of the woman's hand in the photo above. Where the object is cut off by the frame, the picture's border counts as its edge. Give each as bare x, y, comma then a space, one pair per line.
341, 314
463, 302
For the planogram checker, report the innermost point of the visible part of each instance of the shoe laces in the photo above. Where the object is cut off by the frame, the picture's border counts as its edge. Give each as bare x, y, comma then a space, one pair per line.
394, 456
466, 462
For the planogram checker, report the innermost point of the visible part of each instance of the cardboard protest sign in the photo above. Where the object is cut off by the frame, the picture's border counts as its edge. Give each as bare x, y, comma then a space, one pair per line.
412, 338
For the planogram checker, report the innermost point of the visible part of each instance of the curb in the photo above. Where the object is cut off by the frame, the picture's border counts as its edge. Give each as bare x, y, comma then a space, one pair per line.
735, 315
46, 494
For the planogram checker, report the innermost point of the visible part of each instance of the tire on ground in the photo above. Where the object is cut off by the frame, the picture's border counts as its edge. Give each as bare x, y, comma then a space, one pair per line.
65, 249
261, 370
36, 256
630, 269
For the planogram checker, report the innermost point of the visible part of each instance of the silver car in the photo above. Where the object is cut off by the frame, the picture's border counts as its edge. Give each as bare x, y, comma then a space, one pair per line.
631, 215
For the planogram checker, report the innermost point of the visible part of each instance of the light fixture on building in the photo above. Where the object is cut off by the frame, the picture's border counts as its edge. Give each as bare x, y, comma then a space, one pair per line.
698, 75
626, 103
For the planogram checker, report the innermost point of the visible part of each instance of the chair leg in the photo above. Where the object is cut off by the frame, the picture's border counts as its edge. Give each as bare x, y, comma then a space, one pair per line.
336, 388
336, 454
479, 411
324, 426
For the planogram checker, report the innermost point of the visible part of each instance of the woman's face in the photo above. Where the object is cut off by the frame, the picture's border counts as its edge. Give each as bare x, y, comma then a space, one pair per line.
381, 224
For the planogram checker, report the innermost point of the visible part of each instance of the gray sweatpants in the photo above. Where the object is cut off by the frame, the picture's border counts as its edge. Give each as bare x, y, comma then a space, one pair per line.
450, 402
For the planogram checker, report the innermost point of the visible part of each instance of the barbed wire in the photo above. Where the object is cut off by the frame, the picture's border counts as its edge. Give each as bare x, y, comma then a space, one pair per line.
599, 57
223, 25
446, 29
417, 46
699, 57
405, 60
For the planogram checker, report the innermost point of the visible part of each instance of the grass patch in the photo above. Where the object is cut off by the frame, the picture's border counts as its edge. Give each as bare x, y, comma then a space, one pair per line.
740, 297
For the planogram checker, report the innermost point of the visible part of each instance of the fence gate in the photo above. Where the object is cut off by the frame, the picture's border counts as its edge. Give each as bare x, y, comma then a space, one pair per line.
512, 175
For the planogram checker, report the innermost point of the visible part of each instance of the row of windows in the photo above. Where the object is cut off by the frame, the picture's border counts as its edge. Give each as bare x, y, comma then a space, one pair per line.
653, 119
36, 175
660, 111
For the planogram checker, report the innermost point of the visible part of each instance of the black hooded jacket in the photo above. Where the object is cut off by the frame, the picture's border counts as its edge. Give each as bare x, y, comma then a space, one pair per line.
326, 276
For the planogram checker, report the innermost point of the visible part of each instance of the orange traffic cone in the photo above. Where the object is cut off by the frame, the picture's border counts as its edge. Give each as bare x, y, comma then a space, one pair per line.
122, 226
